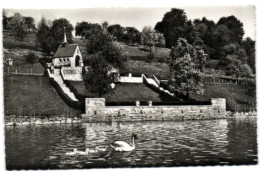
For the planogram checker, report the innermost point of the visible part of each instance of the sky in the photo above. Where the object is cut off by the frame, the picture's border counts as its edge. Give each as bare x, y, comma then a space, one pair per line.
139, 17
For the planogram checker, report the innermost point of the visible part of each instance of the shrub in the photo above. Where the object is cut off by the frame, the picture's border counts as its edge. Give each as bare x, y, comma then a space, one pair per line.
31, 58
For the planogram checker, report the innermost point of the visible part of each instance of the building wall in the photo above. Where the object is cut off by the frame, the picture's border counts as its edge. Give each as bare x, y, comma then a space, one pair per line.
96, 111
62, 61
130, 79
73, 59
72, 73
69, 61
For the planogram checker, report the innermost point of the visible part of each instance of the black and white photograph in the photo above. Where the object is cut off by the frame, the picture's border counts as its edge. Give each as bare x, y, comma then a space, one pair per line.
128, 86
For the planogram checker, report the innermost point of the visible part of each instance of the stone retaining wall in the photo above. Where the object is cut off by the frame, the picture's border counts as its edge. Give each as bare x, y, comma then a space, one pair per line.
18, 121
72, 73
97, 111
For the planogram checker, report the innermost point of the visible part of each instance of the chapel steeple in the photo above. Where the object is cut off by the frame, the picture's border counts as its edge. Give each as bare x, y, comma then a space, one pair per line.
65, 38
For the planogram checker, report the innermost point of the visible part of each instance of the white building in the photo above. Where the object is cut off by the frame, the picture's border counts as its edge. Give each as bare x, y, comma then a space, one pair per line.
68, 55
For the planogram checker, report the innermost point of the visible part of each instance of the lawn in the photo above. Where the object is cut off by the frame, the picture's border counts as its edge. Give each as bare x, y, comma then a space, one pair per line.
239, 97
129, 92
160, 70
25, 94
36, 68
124, 92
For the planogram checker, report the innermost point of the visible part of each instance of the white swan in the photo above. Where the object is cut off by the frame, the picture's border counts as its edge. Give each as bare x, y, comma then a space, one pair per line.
74, 152
124, 146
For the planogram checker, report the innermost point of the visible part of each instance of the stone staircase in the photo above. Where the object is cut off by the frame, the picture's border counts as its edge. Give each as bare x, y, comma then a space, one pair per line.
151, 81
63, 86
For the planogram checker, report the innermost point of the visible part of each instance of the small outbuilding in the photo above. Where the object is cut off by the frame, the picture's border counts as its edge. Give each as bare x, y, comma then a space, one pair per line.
67, 55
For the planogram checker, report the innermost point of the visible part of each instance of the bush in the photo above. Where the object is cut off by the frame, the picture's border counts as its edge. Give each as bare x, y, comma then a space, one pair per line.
31, 58
44, 61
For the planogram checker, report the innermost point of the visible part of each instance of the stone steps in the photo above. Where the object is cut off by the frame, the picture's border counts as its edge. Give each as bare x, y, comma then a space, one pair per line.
63, 86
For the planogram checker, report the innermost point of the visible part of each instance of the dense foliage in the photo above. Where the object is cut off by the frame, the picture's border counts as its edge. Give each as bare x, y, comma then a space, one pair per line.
186, 67
31, 58
96, 77
50, 34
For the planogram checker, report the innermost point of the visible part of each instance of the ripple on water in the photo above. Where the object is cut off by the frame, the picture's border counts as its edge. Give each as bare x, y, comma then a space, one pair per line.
159, 144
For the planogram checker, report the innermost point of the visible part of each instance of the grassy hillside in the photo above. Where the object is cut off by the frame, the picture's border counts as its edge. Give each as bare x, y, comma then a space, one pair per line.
124, 92
25, 94
238, 97
17, 50
22, 94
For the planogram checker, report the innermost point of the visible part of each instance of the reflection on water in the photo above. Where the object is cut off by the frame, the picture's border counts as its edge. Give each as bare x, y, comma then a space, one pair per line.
207, 142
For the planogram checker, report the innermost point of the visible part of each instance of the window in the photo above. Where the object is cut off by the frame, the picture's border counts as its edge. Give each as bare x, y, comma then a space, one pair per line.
60, 60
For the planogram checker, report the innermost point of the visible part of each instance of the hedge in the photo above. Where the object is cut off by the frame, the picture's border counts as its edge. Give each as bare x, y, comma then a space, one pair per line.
74, 104
79, 96
183, 103
44, 61
120, 103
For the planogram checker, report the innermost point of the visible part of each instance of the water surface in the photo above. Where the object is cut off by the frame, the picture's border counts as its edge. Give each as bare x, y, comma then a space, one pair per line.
160, 143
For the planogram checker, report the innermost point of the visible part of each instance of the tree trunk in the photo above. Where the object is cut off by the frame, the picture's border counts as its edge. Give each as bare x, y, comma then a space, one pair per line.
188, 95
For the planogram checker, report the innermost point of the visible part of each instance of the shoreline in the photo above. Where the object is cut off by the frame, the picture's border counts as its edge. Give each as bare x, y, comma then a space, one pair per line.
19, 121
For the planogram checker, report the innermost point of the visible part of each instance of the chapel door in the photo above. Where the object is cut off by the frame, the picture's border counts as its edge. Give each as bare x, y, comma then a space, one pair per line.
77, 61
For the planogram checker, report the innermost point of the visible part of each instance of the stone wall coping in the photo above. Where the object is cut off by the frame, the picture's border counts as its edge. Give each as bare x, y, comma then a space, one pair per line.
166, 106
94, 98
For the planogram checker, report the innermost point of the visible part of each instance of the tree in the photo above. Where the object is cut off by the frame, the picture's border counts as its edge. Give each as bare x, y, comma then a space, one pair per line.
17, 26
29, 21
104, 25
31, 58
235, 27
83, 27
100, 42
249, 46
116, 31
186, 68
131, 35
151, 38
5, 19
57, 31
173, 26
234, 50
43, 36
236, 68
50, 34
96, 78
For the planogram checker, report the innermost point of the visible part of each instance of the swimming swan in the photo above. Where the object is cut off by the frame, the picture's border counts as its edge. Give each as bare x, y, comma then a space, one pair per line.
124, 146
74, 152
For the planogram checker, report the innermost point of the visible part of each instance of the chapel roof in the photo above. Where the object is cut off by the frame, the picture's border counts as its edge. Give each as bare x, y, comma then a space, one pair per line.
66, 50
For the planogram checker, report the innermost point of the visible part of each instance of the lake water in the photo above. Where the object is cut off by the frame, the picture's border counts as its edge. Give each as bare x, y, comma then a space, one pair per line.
167, 143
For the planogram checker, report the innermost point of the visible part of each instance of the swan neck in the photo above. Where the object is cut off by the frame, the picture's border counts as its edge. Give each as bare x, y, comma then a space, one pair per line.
133, 145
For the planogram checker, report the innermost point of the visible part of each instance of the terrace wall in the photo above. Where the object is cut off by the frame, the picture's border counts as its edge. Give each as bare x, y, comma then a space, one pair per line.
72, 73
97, 111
